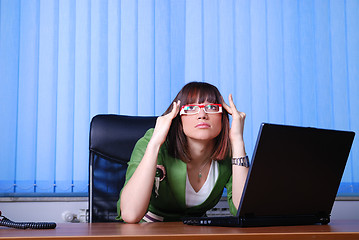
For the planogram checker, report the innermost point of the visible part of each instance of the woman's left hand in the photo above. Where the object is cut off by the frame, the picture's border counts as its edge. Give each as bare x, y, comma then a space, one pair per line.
236, 131
239, 173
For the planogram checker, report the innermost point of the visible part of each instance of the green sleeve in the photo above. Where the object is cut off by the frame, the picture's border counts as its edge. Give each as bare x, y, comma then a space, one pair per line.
232, 208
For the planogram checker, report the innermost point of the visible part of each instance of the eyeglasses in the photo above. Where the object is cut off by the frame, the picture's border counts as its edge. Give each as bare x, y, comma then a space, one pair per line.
194, 109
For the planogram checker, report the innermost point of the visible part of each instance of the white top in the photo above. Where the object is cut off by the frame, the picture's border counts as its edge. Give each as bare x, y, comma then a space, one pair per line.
194, 198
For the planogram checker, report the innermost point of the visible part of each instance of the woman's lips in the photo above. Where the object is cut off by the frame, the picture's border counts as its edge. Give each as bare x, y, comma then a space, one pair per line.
203, 125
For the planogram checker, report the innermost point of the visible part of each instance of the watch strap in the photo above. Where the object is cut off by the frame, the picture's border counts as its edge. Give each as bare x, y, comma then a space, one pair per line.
241, 161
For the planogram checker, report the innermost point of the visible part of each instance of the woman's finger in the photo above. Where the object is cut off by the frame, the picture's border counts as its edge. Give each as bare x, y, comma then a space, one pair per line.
234, 111
175, 108
225, 105
231, 103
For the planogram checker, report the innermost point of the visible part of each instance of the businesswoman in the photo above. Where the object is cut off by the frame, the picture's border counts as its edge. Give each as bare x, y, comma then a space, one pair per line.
181, 167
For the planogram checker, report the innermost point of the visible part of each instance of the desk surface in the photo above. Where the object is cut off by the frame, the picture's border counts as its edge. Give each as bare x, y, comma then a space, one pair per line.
177, 230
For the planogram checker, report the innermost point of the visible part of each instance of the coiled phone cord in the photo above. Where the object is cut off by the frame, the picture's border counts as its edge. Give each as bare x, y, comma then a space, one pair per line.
23, 225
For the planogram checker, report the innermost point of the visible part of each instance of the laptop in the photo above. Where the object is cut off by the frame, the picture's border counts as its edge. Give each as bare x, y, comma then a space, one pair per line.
293, 179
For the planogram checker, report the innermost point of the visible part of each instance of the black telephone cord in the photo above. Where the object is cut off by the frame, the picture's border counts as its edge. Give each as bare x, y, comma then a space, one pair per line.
23, 225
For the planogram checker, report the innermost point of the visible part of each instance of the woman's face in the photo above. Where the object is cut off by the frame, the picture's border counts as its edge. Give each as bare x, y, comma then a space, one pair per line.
202, 126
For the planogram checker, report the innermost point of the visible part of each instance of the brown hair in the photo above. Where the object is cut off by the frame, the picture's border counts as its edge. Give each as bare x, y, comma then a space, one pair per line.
176, 139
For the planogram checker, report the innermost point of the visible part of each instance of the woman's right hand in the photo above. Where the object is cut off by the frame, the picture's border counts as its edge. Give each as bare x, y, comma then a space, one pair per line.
163, 124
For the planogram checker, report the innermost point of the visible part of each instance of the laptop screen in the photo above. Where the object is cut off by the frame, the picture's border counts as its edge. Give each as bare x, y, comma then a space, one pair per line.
295, 171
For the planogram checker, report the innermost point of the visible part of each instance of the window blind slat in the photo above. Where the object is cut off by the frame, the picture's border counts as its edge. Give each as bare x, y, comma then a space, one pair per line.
65, 97
9, 65
339, 66
308, 63
114, 53
27, 97
226, 45
177, 39
259, 81
99, 57
81, 96
323, 64
352, 38
243, 67
146, 63
128, 62
194, 41
276, 62
292, 74
47, 94
211, 43
162, 57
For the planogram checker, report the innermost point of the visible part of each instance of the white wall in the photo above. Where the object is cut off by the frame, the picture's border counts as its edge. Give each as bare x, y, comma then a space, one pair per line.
50, 211
53, 210
345, 210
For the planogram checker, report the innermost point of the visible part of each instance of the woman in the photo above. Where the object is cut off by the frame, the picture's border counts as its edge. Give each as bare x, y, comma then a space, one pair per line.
181, 167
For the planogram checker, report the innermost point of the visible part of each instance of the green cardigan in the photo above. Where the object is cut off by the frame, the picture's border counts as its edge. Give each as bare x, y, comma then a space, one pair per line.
170, 202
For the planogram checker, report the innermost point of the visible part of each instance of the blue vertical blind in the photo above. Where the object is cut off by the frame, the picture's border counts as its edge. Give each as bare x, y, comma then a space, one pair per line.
62, 62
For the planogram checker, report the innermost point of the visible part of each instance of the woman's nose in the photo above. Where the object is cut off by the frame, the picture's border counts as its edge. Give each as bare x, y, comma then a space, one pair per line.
202, 114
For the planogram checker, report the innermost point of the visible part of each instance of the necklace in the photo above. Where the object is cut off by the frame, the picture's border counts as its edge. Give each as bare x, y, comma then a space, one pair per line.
200, 170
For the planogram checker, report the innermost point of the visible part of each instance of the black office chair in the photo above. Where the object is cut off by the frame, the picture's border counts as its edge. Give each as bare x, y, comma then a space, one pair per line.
112, 139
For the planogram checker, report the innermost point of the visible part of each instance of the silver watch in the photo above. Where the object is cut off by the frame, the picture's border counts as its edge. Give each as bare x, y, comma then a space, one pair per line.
241, 161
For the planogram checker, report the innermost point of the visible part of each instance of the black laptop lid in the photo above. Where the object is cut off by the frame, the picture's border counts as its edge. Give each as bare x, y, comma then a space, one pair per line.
295, 171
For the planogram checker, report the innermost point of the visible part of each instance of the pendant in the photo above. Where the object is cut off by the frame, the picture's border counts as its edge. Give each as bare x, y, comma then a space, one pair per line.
200, 175
157, 186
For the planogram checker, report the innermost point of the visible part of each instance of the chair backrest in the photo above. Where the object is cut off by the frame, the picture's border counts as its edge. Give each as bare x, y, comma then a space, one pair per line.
112, 139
